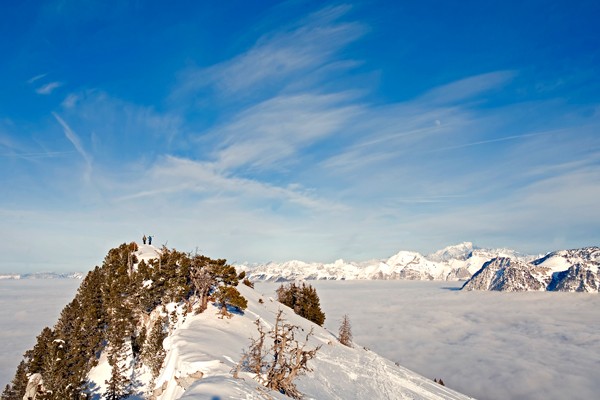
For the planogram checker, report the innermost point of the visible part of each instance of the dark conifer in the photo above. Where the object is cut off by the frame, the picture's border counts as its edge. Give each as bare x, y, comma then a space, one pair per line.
229, 296
7, 393
303, 300
153, 352
16, 389
37, 356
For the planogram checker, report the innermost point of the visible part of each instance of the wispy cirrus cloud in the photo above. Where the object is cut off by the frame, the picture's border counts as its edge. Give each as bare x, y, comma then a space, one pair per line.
276, 58
48, 88
179, 176
11, 147
123, 131
37, 155
273, 133
468, 88
289, 146
76, 142
428, 158
36, 78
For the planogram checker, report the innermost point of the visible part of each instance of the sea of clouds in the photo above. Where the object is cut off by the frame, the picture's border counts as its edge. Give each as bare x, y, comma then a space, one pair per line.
26, 307
488, 345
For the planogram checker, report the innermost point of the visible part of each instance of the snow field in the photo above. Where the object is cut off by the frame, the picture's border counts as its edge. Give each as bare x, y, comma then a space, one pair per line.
208, 345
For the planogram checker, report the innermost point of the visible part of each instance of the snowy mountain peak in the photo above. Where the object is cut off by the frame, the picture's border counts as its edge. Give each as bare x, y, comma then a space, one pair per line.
505, 274
461, 251
572, 256
576, 270
147, 252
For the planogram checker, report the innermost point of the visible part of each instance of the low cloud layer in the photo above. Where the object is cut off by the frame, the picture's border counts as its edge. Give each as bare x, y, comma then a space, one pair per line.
27, 307
487, 345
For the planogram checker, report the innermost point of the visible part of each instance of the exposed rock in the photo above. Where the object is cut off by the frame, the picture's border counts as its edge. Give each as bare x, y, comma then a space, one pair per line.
576, 270
35, 387
158, 391
186, 381
504, 274
577, 278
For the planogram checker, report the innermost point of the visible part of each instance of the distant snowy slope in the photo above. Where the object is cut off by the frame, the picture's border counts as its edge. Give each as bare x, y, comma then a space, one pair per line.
461, 251
457, 262
44, 275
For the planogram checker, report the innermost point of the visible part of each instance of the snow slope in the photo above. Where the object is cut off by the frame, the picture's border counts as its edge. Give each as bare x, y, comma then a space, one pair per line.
209, 347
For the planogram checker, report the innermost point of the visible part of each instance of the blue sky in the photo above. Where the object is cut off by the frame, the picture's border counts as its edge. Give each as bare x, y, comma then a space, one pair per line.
259, 131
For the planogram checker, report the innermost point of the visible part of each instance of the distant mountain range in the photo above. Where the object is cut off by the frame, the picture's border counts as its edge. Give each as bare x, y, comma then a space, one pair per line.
457, 262
483, 269
45, 275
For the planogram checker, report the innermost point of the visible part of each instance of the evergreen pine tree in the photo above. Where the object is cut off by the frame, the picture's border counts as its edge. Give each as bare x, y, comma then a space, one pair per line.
303, 300
38, 354
153, 352
119, 315
16, 389
229, 296
7, 393
345, 333
118, 385
55, 372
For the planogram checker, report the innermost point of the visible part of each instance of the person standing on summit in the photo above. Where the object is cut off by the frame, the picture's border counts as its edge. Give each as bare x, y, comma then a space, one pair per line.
149, 239
144, 239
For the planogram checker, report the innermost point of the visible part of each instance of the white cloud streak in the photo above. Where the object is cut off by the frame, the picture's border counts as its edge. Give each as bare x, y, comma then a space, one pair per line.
48, 88
285, 163
468, 88
278, 129
181, 176
76, 142
276, 58
36, 78
37, 155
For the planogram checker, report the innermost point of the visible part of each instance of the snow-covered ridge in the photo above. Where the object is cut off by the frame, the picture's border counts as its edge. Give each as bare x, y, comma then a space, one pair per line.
204, 349
457, 262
